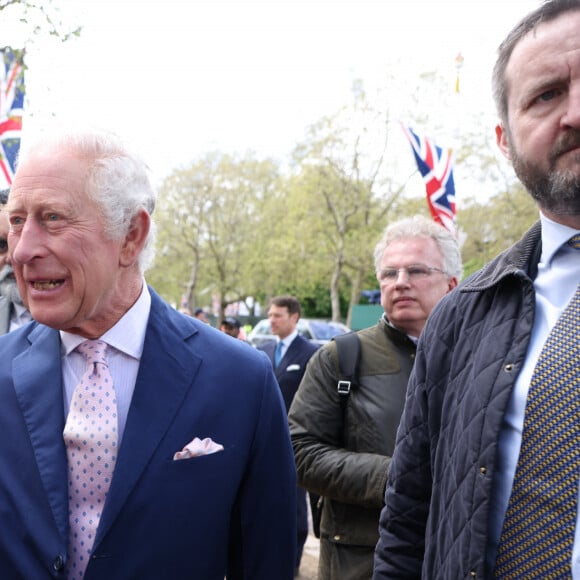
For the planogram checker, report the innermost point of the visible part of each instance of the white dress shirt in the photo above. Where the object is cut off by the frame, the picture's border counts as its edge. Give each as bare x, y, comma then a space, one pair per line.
556, 282
125, 341
286, 342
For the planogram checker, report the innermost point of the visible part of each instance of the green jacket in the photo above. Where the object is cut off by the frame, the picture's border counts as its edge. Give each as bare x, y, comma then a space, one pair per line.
341, 453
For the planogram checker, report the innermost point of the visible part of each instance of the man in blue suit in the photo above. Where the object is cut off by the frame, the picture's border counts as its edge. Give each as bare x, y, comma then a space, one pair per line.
289, 355
203, 484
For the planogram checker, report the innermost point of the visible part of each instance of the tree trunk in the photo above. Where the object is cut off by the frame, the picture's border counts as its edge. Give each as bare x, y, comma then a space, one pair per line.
356, 289
335, 290
191, 284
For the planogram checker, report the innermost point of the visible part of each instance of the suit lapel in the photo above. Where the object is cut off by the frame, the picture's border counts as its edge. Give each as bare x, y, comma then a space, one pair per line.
166, 373
38, 384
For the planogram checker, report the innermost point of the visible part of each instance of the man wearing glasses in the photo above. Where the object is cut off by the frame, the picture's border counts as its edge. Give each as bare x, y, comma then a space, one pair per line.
343, 447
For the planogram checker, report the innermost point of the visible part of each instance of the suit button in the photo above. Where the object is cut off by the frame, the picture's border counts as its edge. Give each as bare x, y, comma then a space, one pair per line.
58, 564
337, 538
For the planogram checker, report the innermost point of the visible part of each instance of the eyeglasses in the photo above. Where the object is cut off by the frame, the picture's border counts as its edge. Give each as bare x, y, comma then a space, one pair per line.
414, 272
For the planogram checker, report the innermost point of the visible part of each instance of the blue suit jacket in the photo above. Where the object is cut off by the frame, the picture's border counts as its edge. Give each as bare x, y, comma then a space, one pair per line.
291, 369
230, 512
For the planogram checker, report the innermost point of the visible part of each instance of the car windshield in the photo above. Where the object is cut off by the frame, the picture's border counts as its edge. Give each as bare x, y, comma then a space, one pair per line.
319, 331
325, 331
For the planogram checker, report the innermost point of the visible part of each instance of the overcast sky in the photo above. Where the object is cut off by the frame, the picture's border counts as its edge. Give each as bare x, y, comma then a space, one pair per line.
181, 77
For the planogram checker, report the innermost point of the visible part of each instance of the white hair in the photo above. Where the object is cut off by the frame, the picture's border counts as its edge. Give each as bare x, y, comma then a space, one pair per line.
419, 226
118, 180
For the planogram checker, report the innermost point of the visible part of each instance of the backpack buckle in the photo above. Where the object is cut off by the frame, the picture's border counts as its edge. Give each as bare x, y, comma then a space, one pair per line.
343, 388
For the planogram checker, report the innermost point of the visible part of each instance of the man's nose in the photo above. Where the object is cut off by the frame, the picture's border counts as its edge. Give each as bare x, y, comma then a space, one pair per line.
402, 276
28, 243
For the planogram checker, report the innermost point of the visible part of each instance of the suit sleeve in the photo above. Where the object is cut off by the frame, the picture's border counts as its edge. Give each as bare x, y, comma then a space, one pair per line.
263, 536
317, 428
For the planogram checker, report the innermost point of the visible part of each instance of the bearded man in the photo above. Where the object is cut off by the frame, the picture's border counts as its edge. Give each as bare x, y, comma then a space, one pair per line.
484, 478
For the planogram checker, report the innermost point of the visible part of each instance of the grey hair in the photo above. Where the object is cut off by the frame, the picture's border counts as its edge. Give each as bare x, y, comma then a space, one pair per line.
419, 226
548, 11
117, 181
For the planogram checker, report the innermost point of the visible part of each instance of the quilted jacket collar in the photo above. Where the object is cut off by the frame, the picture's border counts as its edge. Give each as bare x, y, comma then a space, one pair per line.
519, 260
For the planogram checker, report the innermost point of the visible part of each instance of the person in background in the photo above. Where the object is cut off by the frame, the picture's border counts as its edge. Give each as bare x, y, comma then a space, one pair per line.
13, 313
343, 446
484, 478
192, 474
201, 314
4, 227
289, 355
231, 326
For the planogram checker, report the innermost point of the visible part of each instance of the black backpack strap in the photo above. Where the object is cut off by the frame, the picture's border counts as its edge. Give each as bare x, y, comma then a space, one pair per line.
348, 351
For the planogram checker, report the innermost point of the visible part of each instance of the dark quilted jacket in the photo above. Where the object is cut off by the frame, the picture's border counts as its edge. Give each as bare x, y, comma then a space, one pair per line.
434, 524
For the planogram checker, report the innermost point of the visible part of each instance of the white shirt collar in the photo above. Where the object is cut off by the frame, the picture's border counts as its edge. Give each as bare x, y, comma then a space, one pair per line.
287, 341
554, 235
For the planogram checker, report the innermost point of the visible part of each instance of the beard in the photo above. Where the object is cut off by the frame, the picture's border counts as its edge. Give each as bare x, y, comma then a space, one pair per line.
556, 191
8, 285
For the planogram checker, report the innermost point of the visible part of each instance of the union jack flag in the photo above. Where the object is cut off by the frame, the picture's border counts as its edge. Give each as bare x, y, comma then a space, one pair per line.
436, 167
11, 109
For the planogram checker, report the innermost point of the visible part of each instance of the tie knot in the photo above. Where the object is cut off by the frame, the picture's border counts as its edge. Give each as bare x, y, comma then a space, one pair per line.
574, 242
94, 351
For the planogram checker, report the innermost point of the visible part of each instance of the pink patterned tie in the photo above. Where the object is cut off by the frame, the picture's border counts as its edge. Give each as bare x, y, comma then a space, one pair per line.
90, 436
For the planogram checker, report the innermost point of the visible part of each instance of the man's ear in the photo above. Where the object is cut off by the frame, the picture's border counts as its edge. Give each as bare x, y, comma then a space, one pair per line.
501, 136
135, 238
452, 283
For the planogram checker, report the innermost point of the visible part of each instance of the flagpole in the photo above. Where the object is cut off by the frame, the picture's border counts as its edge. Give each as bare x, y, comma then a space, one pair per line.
456, 137
458, 66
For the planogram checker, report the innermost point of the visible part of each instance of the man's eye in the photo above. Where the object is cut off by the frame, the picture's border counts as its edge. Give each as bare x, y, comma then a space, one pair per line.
52, 217
548, 95
417, 271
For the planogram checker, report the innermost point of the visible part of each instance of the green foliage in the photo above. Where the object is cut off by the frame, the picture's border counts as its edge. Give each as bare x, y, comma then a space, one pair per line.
212, 231
342, 183
491, 225
41, 18
316, 304
496, 225
234, 227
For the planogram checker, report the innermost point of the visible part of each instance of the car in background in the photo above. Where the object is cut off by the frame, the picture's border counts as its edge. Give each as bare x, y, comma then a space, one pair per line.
318, 331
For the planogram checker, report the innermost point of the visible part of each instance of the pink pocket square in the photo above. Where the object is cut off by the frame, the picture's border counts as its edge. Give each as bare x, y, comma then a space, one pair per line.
198, 447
